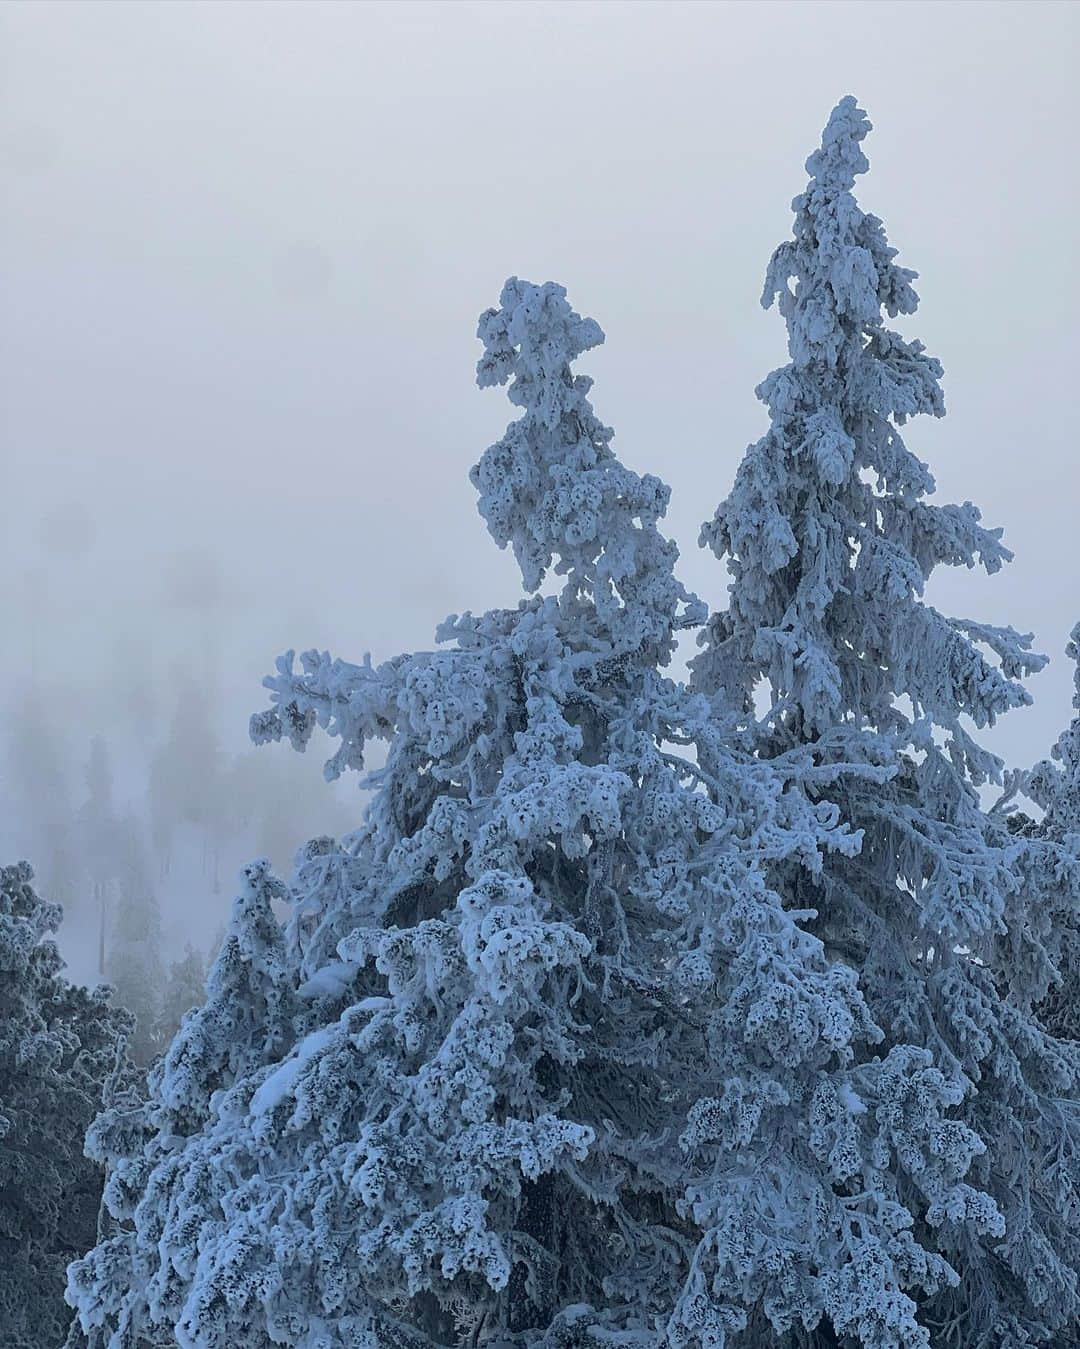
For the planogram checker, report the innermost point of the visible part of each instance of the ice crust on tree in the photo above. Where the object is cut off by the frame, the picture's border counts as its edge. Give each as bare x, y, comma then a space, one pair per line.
829, 539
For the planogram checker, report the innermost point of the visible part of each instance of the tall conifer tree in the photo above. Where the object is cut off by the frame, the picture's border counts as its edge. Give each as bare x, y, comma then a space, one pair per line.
830, 539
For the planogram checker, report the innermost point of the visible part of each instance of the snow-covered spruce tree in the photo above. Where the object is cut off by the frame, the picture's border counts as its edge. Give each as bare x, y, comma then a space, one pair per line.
539, 1059
830, 539
59, 1044
1054, 784
125, 1290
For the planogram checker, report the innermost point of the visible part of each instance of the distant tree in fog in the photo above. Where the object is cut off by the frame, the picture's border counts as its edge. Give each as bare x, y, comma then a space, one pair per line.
274, 806
100, 840
131, 667
61, 1050
98, 824
133, 962
38, 794
195, 590
186, 780
185, 989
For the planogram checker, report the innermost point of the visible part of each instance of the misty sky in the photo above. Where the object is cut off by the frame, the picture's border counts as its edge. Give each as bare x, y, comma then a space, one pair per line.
245, 246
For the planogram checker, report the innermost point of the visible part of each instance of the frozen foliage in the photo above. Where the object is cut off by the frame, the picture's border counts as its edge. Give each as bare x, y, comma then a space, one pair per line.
540, 1057
968, 1213
59, 1046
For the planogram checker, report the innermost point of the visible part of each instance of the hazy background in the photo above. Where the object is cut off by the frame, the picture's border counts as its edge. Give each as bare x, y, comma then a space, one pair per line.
244, 248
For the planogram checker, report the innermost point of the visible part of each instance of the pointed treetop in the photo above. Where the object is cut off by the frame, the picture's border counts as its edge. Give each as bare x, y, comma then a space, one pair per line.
530, 340
826, 520
840, 158
553, 488
843, 264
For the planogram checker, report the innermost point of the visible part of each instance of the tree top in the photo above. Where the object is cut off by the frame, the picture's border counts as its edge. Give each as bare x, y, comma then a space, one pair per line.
840, 158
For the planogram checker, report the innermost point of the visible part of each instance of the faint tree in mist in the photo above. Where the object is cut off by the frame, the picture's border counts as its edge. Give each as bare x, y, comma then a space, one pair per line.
186, 781
42, 802
194, 588
65, 534
185, 989
133, 963
99, 836
278, 808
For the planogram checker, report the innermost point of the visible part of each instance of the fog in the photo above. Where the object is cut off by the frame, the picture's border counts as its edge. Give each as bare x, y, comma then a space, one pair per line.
244, 250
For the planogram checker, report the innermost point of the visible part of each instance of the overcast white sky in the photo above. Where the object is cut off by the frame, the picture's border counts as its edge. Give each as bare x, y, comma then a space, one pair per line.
245, 245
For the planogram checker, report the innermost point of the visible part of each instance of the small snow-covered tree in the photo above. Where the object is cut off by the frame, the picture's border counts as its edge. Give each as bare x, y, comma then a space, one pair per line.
59, 1046
1054, 784
539, 1055
830, 539
125, 1291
